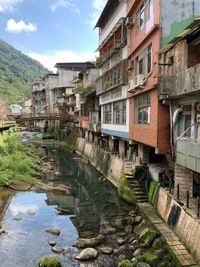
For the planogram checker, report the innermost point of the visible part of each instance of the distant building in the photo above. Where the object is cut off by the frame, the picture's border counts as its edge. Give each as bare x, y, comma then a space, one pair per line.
15, 109
26, 106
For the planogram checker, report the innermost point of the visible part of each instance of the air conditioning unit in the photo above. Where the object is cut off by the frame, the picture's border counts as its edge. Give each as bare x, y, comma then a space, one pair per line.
129, 21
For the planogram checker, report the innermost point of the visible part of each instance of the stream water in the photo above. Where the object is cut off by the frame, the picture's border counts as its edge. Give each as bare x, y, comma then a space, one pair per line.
26, 215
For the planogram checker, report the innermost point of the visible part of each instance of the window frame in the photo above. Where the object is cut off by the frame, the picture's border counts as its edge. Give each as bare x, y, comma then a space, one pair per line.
144, 58
142, 105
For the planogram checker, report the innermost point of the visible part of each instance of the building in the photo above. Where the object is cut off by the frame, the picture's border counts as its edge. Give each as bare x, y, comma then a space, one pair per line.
112, 85
179, 89
66, 72
149, 118
26, 106
88, 104
38, 92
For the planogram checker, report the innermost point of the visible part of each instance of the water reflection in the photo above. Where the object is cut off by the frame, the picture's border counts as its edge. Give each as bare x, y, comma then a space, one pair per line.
89, 208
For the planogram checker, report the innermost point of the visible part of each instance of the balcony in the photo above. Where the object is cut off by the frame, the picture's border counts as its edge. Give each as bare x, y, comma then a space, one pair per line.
114, 77
188, 153
185, 82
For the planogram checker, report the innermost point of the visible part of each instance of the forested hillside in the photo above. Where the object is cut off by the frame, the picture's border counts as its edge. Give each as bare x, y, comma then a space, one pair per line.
16, 72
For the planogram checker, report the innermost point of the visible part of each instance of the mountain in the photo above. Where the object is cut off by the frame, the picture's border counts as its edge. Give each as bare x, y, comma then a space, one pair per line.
17, 70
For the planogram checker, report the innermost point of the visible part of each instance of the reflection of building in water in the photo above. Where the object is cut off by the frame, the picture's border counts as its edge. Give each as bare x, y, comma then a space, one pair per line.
61, 200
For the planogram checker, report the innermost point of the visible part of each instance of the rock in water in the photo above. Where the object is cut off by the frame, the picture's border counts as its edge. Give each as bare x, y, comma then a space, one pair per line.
87, 254
49, 261
105, 250
89, 242
53, 231
57, 250
52, 243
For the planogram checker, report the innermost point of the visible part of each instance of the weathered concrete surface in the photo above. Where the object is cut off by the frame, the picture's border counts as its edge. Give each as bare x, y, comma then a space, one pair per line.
110, 166
186, 226
172, 240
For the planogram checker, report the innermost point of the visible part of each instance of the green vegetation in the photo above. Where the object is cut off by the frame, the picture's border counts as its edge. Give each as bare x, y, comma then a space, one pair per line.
125, 263
125, 191
18, 161
16, 72
49, 261
153, 191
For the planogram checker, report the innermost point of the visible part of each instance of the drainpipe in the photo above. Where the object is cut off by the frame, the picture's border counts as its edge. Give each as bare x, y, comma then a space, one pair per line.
174, 121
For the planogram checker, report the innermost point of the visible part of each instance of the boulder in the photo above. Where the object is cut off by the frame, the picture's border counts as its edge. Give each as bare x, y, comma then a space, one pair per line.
57, 250
108, 230
49, 261
120, 241
138, 219
20, 186
137, 252
53, 231
87, 254
89, 242
52, 243
105, 249
143, 264
147, 235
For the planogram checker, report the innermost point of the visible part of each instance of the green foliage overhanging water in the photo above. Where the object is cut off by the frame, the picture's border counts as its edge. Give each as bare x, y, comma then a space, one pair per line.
18, 161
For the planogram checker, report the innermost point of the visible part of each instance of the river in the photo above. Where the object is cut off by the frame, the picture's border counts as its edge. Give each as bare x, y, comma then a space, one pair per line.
26, 215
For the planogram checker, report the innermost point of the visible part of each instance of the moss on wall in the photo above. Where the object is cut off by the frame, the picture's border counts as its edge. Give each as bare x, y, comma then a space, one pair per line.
70, 139
125, 191
153, 191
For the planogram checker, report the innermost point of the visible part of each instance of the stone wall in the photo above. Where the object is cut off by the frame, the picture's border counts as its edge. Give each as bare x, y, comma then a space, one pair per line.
186, 225
110, 166
183, 177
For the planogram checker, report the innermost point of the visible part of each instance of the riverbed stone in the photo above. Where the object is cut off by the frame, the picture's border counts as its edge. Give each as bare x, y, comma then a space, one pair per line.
31, 213
17, 219
143, 264
57, 173
125, 263
108, 230
121, 250
151, 258
49, 261
57, 250
87, 234
105, 249
87, 254
148, 235
20, 186
120, 241
89, 242
128, 229
53, 231
138, 219
52, 243
121, 257
137, 252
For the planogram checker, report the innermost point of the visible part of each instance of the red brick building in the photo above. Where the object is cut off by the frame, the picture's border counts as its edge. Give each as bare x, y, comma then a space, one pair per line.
149, 118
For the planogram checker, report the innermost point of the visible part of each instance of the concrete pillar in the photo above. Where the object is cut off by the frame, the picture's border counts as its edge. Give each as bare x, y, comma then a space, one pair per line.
121, 149
183, 177
143, 154
111, 143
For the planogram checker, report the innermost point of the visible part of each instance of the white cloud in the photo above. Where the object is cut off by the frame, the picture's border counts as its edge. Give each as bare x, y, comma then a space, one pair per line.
8, 5
98, 6
49, 60
20, 26
22, 208
64, 4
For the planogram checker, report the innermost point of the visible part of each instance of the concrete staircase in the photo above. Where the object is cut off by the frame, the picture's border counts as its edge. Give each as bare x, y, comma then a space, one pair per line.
137, 185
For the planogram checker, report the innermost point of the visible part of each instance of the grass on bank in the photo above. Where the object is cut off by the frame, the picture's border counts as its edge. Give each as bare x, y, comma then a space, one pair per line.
18, 161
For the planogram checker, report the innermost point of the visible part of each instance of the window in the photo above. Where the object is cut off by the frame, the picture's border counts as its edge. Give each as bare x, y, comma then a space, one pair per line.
144, 61
143, 15
107, 113
119, 112
143, 108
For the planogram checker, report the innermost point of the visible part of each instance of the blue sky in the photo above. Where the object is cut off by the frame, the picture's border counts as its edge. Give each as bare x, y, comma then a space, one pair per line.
51, 30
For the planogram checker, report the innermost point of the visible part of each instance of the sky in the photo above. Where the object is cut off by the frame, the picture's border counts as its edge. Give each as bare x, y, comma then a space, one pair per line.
52, 31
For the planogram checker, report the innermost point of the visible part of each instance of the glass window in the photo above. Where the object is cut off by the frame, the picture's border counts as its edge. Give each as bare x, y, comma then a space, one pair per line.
144, 61
143, 15
107, 113
143, 108
119, 112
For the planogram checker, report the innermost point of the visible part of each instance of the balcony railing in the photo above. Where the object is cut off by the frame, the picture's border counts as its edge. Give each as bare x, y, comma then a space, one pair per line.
114, 77
185, 82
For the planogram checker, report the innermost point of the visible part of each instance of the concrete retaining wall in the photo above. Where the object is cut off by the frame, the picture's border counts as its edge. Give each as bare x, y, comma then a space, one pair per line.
186, 226
110, 166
